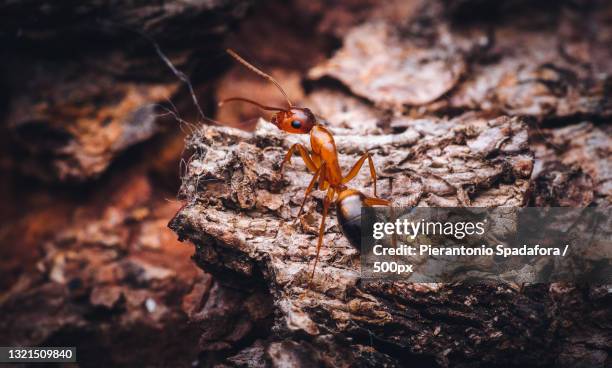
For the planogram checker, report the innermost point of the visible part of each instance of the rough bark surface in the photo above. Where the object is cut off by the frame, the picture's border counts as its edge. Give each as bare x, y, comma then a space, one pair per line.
573, 165
509, 57
102, 85
239, 214
426, 85
110, 276
239, 211
117, 285
86, 256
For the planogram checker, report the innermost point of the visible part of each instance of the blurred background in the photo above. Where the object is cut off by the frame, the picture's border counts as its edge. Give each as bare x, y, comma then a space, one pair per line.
92, 143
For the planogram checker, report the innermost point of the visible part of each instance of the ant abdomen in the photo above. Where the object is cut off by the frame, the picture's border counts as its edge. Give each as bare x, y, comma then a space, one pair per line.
349, 206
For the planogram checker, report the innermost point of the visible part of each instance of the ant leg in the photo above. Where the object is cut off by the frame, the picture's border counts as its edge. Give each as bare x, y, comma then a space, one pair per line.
303, 153
369, 201
355, 170
323, 183
326, 202
309, 189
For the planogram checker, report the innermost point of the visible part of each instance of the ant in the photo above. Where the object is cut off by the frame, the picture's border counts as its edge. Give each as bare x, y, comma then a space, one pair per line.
322, 163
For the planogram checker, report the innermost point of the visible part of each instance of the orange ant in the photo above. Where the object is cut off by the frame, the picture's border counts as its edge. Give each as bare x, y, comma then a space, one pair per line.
322, 163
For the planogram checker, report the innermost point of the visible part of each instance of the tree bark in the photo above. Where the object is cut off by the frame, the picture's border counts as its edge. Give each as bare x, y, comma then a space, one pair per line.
239, 213
461, 102
85, 83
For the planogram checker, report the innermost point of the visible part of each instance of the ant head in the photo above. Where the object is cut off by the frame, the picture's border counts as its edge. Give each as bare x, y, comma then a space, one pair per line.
297, 120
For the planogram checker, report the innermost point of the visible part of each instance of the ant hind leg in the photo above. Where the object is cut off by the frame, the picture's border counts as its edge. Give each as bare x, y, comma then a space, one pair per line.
370, 201
355, 170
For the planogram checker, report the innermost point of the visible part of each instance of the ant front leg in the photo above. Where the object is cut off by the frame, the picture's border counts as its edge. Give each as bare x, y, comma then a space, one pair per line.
355, 170
326, 202
303, 153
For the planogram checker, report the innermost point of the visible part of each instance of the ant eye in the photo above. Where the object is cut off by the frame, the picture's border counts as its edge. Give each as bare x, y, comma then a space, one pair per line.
296, 124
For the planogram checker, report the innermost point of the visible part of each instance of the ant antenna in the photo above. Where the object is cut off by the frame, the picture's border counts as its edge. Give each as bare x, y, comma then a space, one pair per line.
179, 74
254, 69
263, 107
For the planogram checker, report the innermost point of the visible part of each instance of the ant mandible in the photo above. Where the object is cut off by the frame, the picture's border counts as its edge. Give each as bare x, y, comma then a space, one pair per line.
322, 163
